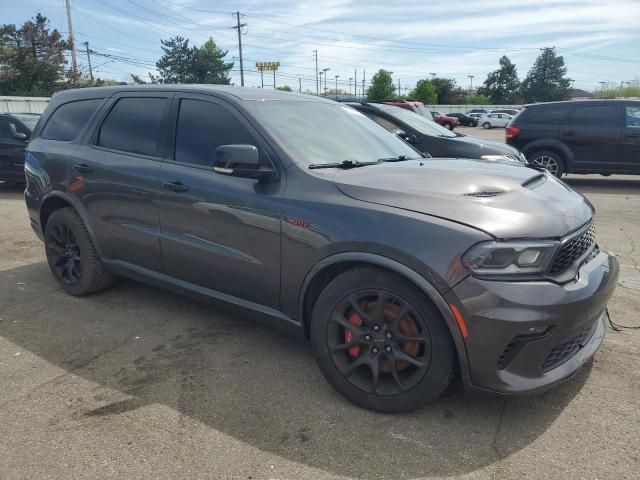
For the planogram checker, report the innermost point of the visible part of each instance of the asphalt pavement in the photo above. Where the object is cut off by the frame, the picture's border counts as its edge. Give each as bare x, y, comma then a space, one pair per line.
136, 382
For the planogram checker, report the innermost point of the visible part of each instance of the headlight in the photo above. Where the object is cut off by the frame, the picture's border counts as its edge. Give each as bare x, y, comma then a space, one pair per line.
510, 258
500, 158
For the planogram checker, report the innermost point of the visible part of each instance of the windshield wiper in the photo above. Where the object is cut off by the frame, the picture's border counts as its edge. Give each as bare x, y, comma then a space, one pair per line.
399, 158
343, 164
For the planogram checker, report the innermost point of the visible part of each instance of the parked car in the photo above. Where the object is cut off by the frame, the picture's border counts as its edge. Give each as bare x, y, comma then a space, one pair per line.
15, 130
446, 121
417, 107
508, 111
400, 269
465, 120
492, 120
432, 139
481, 111
586, 136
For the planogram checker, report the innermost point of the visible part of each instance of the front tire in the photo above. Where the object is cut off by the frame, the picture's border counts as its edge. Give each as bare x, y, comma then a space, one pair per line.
486, 125
72, 256
380, 342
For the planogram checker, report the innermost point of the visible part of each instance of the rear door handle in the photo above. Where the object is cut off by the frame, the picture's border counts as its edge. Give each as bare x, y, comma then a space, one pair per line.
569, 134
81, 167
175, 186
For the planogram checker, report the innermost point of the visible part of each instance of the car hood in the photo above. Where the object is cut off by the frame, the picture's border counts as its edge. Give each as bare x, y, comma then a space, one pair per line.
503, 200
487, 147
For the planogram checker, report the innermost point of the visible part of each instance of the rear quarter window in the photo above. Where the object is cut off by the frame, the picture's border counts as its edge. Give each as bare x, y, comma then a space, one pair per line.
69, 119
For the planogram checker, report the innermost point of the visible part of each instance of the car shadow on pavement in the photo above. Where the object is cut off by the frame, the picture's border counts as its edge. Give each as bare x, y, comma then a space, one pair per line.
237, 376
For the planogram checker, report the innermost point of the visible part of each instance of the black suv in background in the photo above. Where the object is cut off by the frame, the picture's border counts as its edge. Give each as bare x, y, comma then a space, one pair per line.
585, 136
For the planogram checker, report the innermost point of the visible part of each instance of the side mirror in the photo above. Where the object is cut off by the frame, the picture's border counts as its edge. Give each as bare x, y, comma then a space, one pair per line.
240, 161
20, 136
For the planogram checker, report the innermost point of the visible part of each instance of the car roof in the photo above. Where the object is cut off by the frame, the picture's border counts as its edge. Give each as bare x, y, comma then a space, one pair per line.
238, 93
583, 102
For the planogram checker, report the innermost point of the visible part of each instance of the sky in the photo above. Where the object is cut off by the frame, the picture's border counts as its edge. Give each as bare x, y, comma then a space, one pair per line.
599, 39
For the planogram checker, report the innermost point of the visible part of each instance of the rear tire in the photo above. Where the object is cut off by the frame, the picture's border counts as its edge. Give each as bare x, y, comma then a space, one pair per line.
486, 125
72, 256
548, 160
380, 342
447, 126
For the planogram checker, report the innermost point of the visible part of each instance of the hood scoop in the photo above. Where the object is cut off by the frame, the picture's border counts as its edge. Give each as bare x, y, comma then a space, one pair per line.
535, 181
484, 192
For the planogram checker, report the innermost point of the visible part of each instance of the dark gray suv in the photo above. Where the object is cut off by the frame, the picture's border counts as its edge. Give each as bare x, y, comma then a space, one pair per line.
400, 269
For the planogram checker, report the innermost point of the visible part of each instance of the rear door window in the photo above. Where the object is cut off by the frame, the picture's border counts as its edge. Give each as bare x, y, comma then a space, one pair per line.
204, 126
550, 114
69, 119
594, 116
134, 125
392, 127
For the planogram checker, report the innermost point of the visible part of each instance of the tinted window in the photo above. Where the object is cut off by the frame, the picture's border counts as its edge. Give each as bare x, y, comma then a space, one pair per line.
133, 125
551, 114
632, 117
594, 116
204, 126
67, 121
420, 123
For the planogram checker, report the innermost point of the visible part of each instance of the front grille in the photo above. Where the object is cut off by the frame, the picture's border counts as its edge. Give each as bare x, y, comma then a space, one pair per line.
563, 352
574, 249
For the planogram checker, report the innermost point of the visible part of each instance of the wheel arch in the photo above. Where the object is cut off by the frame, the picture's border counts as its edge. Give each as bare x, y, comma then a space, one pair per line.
553, 146
56, 200
330, 267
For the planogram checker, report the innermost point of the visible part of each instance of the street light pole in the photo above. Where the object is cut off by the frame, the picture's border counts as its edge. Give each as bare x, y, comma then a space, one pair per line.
337, 76
471, 78
320, 73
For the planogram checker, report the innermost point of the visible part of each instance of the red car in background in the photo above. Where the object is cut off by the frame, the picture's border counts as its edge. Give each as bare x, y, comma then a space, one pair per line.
446, 122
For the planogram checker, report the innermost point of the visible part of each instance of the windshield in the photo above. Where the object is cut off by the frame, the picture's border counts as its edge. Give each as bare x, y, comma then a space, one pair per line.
420, 123
320, 133
29, 120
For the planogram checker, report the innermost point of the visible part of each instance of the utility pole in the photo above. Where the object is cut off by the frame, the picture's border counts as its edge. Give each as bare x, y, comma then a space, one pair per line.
337, 77
86, 44
321, 73
315, 56
350, 78
399, 92
471, 87
363, 77
262, 78
299, 85
72, 45
239, 28
325, 70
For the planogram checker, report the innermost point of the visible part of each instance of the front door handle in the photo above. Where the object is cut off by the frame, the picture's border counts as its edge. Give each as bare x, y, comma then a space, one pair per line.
569, 134
175, 186
81, 167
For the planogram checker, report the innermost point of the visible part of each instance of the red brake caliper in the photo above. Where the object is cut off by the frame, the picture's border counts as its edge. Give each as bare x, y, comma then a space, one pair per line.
355, 320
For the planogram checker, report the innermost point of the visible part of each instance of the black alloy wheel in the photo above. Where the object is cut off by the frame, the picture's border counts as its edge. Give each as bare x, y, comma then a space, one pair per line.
64, 254
380, 341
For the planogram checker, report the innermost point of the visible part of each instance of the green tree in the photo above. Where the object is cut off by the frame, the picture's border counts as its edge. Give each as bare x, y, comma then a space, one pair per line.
285, 88
478, 100
382, 87
425, 92
32, 59
181, 63
445, 90
546, 81
209, 65
502, 85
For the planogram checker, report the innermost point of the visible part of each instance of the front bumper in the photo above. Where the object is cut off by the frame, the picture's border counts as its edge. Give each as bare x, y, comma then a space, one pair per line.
505, 355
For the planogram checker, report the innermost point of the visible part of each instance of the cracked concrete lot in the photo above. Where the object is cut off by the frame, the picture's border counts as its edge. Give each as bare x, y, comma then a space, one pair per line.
137, 382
